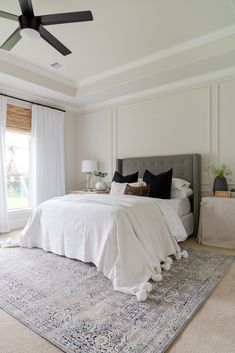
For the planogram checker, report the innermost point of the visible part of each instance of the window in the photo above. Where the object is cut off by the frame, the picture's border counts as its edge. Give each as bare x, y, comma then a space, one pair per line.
18, 157
18, 169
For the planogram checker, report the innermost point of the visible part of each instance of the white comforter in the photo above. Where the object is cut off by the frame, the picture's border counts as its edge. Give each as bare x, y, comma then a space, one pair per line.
126, 237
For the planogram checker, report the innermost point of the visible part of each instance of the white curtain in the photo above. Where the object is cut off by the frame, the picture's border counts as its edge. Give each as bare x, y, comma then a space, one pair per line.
48, 177
4, 223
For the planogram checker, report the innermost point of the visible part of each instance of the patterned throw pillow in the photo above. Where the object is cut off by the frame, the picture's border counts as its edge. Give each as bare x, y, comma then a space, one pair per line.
137, 191
119, 188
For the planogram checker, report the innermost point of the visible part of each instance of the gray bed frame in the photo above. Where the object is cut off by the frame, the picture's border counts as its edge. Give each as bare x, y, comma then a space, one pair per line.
185, 166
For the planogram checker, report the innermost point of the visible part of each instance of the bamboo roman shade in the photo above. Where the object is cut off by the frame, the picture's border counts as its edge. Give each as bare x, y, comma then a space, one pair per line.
18, 119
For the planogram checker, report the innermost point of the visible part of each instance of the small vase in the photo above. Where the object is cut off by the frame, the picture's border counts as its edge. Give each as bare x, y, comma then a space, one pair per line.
100, 186
220, 184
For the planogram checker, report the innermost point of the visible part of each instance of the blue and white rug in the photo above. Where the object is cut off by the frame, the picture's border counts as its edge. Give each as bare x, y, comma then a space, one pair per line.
74, 307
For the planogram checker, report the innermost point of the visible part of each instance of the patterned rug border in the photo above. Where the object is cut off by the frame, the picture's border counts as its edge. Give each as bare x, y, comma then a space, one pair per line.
192, 314
32, 329
206, 297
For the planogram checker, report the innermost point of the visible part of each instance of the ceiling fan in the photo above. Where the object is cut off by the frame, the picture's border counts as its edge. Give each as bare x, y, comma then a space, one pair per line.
31, 26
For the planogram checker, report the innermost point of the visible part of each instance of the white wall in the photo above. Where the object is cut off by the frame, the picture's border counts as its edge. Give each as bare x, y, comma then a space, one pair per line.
71, 158
226, 125
94, 141
198, 119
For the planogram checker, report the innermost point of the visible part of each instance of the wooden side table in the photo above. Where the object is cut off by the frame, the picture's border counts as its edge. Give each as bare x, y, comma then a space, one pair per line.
217, 222
84, 192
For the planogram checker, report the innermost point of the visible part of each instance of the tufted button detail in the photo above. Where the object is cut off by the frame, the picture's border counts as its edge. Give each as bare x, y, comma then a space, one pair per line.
182, 165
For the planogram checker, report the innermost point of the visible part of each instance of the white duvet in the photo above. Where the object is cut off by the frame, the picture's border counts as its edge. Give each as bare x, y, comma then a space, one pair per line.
126, 237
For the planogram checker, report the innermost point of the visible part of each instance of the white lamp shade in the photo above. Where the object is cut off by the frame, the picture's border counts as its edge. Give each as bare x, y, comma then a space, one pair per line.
89, 166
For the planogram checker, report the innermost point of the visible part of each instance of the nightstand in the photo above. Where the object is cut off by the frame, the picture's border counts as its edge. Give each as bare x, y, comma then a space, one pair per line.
217, 222
92, 191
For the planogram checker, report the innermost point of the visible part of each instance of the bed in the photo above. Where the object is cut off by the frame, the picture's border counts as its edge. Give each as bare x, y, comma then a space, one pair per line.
130, 239
185, 166
184, 210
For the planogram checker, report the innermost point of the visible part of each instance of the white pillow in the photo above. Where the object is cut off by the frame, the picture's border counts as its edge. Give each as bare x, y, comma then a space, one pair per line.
181, 194
119, 188
178, 184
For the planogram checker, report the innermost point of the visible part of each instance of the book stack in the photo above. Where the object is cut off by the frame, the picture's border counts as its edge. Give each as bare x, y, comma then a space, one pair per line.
222, 194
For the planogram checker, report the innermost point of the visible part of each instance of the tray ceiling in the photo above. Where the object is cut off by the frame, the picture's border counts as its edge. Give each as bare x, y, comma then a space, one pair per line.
122, 31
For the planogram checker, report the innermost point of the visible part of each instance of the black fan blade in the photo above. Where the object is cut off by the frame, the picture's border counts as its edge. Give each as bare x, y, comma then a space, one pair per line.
26, 7
12, 40
8, 16
53, 41
68, 17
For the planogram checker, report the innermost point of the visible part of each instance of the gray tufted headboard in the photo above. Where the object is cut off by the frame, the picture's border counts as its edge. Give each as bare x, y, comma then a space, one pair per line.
185, 166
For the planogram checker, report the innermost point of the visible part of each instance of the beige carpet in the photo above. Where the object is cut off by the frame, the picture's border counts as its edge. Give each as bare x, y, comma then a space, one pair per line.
210, 331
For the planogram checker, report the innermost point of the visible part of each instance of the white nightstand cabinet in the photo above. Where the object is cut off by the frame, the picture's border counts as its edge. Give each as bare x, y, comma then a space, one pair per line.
217, 222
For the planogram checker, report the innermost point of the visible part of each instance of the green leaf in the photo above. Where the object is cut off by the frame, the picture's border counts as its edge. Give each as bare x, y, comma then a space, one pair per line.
219, 171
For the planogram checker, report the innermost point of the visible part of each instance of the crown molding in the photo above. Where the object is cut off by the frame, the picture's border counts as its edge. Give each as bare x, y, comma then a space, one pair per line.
37, 98
8, 67
51, 88
8, 57
182, 47
178, 86
190, 83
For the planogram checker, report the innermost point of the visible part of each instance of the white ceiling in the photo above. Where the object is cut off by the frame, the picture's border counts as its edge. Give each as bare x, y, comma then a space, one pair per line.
123, 31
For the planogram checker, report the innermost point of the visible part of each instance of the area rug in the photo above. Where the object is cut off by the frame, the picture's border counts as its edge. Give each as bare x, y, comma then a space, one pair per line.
73, 306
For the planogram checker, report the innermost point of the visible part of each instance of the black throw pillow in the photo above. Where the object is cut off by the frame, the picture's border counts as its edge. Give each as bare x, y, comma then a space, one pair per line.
160, 185
119, 178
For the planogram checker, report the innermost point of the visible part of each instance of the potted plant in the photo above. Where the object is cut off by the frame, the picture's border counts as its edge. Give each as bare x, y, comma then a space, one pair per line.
220, 174
100, 185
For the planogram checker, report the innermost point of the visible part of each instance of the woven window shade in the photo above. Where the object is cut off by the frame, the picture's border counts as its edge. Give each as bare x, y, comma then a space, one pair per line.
18, 119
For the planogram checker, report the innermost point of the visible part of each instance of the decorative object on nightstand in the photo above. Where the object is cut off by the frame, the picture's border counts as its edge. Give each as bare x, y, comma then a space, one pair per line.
100, 185
91, 191
220, 174
88, 167
232, 192
222, 194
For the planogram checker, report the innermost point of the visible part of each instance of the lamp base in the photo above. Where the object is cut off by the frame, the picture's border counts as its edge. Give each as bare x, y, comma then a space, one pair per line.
88, 180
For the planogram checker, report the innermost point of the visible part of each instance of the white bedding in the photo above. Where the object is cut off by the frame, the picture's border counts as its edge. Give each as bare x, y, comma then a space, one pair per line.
181, 207
188, 223
126, 237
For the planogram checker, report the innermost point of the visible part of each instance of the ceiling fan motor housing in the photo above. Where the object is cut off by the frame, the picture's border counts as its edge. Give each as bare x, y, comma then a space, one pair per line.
31, 22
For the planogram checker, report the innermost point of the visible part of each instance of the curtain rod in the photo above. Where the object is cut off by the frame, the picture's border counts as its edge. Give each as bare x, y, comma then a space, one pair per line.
25, 100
